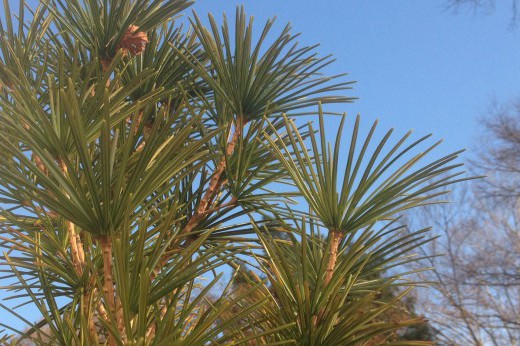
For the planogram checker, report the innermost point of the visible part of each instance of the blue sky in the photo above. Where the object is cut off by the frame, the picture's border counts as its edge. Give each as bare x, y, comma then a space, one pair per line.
418, 66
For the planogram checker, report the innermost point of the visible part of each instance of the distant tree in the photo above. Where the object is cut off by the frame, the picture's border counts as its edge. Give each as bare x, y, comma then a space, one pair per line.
486, 6
499, 158
477, 299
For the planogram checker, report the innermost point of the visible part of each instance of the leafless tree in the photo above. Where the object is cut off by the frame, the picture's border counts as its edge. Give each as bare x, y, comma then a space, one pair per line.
476, 298
499, 155
486, 6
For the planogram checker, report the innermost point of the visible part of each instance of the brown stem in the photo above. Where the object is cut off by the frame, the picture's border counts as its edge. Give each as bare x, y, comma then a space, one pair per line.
204, 207
163, 261
81, 250
76, 257
119, 318
150, 333
88, 312
105, 64
212, 190
101, 310
335, 239
39, 163
231, 203
76, 245
137, 121
105, 242
147, 127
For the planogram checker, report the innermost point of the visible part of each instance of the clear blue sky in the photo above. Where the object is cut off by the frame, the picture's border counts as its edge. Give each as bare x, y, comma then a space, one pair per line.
418, 66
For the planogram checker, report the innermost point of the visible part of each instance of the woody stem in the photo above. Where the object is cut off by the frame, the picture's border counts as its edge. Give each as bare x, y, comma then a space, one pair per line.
335, 239
203, 208
213, 187
105, 242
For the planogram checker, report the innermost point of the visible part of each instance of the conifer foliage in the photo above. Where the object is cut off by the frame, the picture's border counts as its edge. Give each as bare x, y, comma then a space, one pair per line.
145, 164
